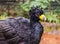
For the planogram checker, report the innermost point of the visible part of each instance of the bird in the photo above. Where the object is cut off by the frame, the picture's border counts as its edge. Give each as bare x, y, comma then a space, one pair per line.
21, 30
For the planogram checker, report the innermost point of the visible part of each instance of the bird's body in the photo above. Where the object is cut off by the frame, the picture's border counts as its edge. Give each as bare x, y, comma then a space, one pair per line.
21, 30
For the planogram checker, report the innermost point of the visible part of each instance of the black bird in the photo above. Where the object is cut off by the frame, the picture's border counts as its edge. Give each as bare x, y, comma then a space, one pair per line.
21, 30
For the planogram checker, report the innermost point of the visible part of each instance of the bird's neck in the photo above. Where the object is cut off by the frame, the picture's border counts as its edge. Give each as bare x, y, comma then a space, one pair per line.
33, 21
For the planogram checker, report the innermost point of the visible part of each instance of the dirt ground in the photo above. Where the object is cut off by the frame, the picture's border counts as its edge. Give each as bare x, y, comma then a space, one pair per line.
50, 39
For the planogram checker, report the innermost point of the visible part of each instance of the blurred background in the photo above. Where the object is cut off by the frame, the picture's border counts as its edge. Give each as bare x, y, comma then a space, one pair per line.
21, 7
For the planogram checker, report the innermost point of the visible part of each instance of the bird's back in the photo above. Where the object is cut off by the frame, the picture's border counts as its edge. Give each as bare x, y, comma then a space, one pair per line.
18, 30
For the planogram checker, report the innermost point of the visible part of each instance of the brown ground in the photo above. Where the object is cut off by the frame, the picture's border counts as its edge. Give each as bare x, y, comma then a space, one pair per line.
50, 39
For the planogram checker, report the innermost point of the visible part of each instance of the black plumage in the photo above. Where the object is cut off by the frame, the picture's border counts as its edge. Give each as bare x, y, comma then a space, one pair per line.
21, 30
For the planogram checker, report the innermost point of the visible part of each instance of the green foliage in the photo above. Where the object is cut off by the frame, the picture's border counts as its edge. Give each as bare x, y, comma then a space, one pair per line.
23, 8
42, 4
52, 17
5, 14
27, 5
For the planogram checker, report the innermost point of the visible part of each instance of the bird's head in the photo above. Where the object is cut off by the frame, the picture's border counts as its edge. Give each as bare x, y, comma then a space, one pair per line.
37, 13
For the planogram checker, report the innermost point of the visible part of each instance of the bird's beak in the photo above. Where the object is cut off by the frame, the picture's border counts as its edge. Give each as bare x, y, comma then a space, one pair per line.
42, 17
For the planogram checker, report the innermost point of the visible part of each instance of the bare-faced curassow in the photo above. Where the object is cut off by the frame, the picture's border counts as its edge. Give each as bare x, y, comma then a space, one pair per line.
21, 30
